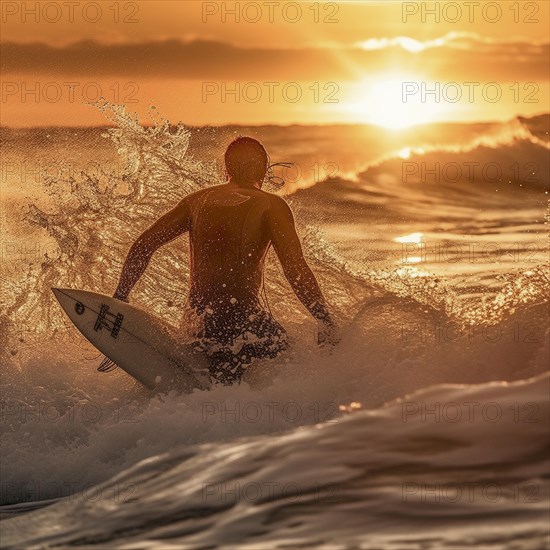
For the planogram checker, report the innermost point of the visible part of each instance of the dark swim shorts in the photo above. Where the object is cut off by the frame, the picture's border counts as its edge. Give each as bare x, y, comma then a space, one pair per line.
232, 340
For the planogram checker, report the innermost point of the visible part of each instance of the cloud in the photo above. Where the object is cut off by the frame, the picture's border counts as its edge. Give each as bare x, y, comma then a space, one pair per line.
456, 56
455, 40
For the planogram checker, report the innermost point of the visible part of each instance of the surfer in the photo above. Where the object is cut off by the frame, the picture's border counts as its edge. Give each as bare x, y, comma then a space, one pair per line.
231, 228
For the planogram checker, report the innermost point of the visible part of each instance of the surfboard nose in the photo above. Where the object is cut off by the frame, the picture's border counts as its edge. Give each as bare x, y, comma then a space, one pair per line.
60, 292
65, 296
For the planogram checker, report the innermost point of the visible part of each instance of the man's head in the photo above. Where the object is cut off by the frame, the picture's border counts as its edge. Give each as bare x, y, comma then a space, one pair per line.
246, 161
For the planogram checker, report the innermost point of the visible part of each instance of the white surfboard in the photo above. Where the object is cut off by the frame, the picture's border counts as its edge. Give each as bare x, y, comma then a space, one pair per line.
138, 342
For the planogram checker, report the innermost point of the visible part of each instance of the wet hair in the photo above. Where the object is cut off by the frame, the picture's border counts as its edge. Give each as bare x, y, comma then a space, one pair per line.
246, 160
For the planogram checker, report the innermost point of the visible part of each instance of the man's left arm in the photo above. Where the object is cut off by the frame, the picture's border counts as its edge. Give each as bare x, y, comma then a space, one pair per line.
165, 229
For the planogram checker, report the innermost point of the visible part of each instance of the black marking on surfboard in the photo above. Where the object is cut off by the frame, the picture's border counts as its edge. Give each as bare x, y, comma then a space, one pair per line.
79, 308
108, 320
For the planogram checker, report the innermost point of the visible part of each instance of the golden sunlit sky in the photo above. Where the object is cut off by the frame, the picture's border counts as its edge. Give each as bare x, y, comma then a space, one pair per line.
395, 64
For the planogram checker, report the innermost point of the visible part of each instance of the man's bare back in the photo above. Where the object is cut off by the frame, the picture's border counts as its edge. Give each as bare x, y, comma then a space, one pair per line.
229, 238
231, 228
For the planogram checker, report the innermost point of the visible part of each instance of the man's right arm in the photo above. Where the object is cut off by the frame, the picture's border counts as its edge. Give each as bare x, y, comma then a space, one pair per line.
164, 230
288, 248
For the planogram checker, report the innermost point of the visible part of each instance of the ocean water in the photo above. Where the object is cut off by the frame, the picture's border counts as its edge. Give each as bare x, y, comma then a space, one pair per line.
426, 427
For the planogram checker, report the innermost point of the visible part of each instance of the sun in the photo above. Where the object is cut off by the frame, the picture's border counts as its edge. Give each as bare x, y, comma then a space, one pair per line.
387, 101
389, 106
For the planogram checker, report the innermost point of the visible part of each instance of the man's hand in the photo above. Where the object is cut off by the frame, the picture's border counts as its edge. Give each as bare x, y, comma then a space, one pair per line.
120, 296
328, 334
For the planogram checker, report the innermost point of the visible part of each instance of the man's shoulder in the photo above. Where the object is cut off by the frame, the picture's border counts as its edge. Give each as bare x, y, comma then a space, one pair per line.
269, 200
276, 202
273, 199
196, 195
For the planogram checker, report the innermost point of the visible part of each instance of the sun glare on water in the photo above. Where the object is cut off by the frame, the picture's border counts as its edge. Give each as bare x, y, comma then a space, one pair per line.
415, 238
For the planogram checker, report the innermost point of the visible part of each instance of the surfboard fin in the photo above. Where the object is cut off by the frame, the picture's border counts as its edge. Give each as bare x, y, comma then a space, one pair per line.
107, 365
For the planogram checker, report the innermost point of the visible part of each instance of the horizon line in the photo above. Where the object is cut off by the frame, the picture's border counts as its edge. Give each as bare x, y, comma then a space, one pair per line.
289, 125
